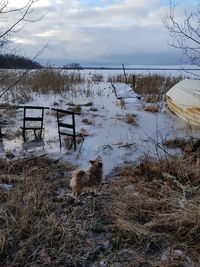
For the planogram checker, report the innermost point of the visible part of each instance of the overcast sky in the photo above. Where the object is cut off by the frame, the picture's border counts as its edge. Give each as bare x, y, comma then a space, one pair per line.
99, 32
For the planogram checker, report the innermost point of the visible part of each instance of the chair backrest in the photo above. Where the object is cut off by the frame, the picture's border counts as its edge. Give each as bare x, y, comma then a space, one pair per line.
62, 126
31, 118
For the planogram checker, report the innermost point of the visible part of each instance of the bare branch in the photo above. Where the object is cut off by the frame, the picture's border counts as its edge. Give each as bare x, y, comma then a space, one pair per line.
186, 34
27, 10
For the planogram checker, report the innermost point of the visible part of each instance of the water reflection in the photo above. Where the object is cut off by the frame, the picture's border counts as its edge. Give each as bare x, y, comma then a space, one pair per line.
2, 148
33, 144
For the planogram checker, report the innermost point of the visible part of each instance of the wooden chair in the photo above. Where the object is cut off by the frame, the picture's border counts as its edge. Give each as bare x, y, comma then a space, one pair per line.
26, 119
68, 129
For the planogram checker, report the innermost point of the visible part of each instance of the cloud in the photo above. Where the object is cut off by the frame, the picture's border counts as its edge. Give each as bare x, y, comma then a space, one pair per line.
105, 31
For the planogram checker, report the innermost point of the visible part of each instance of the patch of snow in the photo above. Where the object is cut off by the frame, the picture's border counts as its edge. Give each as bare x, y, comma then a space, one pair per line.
6, 186
108, 129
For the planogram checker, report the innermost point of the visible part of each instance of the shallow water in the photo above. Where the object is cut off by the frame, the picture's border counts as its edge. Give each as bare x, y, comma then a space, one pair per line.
116, 141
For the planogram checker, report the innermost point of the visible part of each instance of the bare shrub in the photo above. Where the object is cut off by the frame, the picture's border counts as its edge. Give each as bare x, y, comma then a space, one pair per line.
152, 108
122, 103
174, 143
97, 78
130, 118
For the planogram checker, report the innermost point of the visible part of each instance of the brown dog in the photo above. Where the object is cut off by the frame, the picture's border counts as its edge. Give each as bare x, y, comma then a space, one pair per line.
87, 179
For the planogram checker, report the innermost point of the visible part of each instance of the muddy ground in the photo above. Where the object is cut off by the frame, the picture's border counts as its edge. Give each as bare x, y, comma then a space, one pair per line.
144, 215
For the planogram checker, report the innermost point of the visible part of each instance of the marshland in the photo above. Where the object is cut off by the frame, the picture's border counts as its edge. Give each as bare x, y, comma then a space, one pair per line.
147, 212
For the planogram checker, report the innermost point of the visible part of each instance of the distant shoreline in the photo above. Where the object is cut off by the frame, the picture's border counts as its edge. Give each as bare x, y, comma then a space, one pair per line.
97, 68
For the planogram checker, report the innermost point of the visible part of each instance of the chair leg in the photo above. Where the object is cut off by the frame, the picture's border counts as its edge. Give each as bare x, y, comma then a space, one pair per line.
35, 134
74, 140
40, 135
60, 140
1, 135
24, 135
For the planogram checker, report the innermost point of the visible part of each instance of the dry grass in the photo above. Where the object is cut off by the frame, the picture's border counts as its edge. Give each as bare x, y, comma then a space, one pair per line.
87, 121
49, 80
151, 213
152, 86
142, 214
152, 108
43, 81
190, 145
75, 109
130, 118
176, 142
122, 104
88, 104
84, 132
38, 225
97, 78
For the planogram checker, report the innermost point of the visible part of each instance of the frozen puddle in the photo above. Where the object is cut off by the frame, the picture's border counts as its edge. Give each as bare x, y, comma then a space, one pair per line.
105, 122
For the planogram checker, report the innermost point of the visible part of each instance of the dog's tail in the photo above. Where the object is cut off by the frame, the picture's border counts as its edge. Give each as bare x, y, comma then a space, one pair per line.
80, 174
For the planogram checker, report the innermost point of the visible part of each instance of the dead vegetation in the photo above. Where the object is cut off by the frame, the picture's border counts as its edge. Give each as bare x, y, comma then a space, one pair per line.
176, 142
30, 211
152, 87
76, 109
88, 104
148, 216
130, 118
87, 121
190, 145
43, 81
122, 103
48, 80
152, 108
97, 78
151, 212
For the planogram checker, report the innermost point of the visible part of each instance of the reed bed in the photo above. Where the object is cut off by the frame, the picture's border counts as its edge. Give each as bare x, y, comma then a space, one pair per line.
43, 81
152, 87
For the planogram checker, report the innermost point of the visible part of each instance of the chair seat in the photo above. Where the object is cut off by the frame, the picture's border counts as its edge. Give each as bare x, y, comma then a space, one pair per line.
69, 133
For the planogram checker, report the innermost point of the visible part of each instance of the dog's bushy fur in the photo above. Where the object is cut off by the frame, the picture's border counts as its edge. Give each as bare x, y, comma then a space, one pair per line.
87, 179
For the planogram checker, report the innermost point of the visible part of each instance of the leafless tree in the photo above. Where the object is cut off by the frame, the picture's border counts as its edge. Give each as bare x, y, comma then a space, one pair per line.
13, 20
185, 33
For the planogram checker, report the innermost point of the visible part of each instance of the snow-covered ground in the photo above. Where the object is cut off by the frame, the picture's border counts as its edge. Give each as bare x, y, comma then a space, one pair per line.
109, 135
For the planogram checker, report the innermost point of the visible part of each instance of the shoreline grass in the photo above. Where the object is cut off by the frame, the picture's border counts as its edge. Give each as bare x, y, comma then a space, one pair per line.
142, 211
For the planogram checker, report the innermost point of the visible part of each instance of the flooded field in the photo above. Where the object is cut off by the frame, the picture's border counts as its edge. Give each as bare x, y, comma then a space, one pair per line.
113, 120
147, 210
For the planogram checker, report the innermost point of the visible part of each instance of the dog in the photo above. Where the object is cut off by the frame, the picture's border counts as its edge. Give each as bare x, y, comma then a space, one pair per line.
87, 179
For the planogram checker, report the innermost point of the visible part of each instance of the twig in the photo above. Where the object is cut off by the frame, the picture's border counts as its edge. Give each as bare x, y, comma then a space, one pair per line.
175, 181
128, 145
105, 147
32, 157
26, 71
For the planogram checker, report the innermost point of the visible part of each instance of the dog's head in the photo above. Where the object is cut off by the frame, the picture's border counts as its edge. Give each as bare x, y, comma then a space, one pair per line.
98, 162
